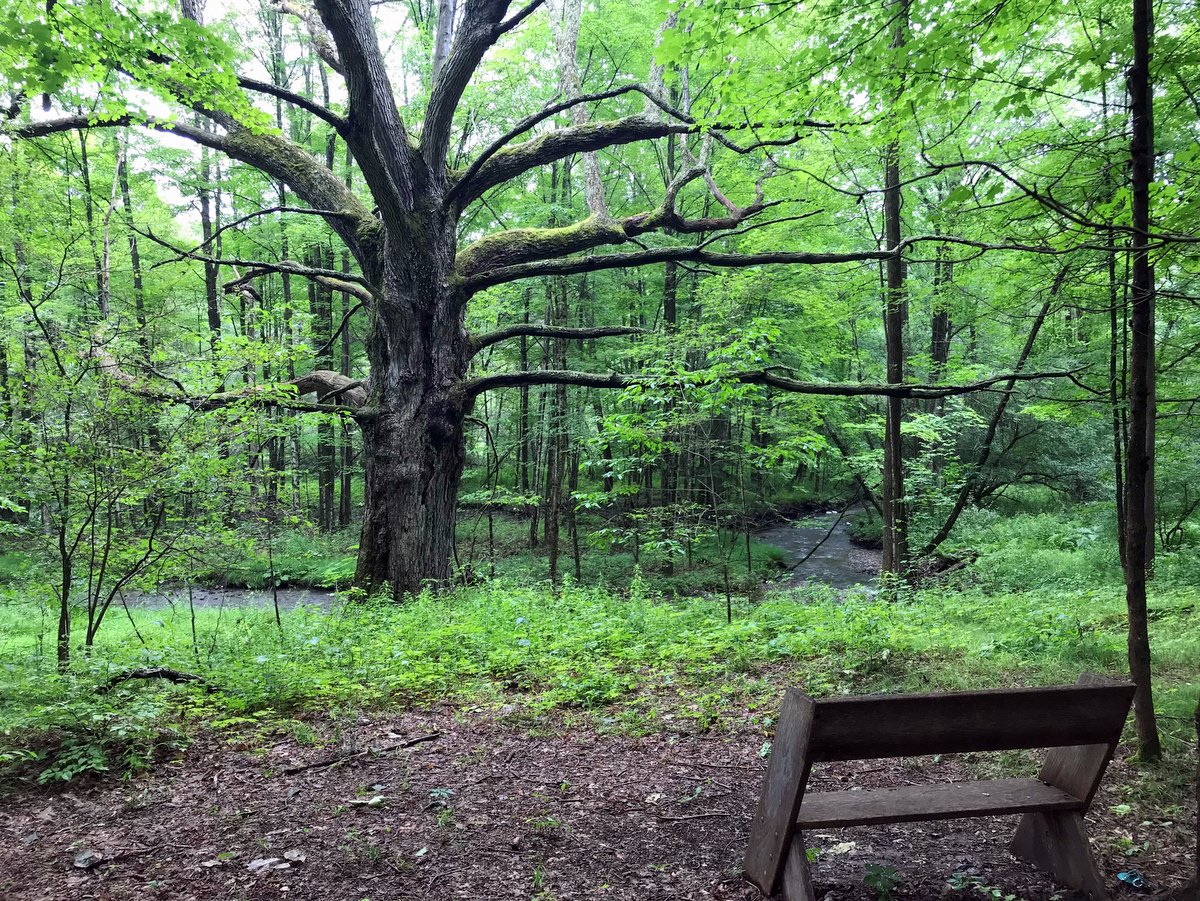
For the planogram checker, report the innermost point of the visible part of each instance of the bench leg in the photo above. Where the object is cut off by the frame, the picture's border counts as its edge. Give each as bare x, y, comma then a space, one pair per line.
797, 880
1058, 844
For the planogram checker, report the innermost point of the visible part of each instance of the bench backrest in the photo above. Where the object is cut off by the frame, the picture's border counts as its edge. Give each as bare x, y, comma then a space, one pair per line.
1082, 723
1000, 720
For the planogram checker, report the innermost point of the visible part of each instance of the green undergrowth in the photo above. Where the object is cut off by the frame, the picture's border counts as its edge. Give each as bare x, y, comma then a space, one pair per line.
302, 557
631, 662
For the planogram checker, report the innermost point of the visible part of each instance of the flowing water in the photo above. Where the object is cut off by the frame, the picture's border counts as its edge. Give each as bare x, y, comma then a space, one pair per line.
231, 597
837, 562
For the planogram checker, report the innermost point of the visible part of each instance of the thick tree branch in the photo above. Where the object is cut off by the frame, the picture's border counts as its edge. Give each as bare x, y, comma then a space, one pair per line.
541, 330
270, 153
770, 377
517, 246
500, 164
154, 672
510, 162
375, 132
576, 265
482, 24
527, 123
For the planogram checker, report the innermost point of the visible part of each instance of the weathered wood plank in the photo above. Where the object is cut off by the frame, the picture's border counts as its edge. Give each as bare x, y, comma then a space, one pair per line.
1078, 770
787, 774
1058, 844
797, 879
906, 804
910, 725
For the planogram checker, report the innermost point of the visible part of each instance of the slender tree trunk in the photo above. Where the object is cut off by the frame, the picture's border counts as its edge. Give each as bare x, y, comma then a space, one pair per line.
1139, 456
971, 483
212, 300
346, 494
572, 518
895, 515
556, 438
939, 324
85, 170
1117, 324
523, 442
135, 258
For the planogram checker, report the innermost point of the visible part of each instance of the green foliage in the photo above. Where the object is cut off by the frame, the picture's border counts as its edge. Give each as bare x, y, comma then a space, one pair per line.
629, 662
882, 880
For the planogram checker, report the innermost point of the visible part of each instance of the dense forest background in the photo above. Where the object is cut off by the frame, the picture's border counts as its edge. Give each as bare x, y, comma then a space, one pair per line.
606, 291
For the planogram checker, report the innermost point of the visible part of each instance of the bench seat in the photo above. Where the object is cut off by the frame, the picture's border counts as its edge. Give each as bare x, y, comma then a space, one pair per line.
823, 810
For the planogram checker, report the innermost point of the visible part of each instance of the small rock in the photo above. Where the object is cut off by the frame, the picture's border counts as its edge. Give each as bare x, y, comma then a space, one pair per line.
85, 860
295, 855
374, 801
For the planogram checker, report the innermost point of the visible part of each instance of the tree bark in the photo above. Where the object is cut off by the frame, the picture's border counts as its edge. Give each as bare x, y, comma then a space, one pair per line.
1139, 456
212, 300
135, 258
895, 515
413, 442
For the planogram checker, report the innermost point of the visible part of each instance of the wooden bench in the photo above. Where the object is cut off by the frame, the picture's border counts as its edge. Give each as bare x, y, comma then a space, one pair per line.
1081, 724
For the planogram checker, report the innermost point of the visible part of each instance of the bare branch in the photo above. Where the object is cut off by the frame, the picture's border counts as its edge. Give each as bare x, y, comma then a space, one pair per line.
770, 377
323, 113
337, 332
265, 212
316, 32
323, 382
346, 282
335, 282
516, 19
541, 330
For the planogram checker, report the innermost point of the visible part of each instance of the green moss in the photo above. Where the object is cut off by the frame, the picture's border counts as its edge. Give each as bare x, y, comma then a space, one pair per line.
520, 245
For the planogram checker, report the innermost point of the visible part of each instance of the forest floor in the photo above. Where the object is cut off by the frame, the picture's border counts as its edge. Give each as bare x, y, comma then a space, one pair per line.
491, 808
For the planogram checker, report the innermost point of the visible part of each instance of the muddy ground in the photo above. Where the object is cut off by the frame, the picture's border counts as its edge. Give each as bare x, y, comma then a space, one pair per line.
486, 810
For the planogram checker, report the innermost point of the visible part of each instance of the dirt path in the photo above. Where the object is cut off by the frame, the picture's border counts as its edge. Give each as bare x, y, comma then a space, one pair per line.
486, 811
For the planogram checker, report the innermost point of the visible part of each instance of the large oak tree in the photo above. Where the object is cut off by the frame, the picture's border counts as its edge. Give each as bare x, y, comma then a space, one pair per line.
415, 272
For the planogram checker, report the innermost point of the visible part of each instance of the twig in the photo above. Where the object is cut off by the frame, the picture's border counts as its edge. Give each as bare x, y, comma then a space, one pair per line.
343, 758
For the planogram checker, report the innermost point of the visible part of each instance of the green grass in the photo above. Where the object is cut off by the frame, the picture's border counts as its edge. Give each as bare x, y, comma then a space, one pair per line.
1040, 606
623, 663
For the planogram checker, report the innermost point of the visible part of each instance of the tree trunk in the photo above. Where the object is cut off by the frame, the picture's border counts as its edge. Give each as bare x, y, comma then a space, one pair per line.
135, 259
212, 300
346, 493
895, 516
1139, 456
413, 444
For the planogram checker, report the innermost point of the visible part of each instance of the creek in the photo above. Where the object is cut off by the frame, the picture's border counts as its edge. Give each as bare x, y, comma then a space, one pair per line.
838, 562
